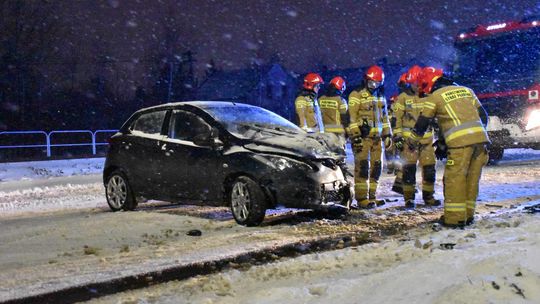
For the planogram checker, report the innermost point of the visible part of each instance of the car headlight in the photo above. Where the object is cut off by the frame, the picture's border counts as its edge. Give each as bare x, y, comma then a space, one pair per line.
283, 163
533, 121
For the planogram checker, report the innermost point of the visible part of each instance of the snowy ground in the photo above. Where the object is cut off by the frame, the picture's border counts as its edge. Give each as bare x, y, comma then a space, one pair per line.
56, 230
495, 261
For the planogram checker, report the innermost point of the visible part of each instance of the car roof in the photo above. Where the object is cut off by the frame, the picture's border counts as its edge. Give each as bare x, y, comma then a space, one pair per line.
198, 104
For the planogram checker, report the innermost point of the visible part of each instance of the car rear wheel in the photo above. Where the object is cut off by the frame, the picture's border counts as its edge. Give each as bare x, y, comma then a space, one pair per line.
118, 192
247, 201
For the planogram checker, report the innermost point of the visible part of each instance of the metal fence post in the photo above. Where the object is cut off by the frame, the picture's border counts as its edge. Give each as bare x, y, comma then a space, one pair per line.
48, 140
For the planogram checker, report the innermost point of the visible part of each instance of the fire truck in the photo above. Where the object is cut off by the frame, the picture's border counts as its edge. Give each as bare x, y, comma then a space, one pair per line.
501, 63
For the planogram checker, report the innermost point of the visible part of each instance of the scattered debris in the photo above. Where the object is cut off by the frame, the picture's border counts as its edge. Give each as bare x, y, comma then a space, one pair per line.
88, 250
494, 205
447, 246
194, 232
436, 227
495, 285
532, 209
427, 245
124, 249
519, 274
518, 290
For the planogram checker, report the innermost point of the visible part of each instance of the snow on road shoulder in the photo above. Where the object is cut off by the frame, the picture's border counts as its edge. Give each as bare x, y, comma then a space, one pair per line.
62, 197
495, 261
50, 168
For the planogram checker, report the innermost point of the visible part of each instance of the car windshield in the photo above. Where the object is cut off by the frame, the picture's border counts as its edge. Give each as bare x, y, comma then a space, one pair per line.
247, 121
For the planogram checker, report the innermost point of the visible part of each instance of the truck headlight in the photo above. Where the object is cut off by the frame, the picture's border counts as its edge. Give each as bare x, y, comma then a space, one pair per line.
533, 121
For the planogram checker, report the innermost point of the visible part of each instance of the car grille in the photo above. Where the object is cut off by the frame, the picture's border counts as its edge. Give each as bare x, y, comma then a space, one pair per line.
333, 196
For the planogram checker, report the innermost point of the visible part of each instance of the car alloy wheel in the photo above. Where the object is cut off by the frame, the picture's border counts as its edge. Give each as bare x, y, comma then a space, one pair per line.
240, 201
247, 201
117, 192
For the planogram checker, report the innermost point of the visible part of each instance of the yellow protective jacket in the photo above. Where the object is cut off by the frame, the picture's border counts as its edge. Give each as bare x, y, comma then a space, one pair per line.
363, 106
306, 113
332, 107
456, 109
407, 110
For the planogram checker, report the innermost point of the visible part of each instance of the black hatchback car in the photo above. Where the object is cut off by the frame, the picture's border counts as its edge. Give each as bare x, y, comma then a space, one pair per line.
223, 153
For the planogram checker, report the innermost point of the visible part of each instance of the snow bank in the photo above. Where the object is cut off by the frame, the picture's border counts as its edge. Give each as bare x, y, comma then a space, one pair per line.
50, 168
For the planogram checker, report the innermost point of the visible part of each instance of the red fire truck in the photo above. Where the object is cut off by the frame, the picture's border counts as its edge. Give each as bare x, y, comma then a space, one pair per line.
501, 63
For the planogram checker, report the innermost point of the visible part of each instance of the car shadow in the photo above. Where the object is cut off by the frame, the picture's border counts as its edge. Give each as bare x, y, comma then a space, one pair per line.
273, 217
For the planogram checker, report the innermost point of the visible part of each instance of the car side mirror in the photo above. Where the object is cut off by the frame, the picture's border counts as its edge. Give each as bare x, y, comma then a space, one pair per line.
208, 138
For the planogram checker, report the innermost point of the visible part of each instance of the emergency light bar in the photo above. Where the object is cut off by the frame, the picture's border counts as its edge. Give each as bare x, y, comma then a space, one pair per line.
496, 26
487, 30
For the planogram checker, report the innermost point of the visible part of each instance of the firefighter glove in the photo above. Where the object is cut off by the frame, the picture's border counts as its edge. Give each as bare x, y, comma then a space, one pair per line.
357, 143
387, 142
413, 141
399, 142
365, 128
441, 149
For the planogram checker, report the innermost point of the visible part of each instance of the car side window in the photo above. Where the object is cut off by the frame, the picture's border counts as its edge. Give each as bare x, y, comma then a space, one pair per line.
149, 123
186, 126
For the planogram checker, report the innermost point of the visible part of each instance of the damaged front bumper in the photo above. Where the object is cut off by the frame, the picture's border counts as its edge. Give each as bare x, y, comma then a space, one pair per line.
319, 184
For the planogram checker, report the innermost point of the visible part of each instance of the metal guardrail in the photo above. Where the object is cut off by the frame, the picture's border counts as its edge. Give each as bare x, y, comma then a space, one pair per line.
49, 136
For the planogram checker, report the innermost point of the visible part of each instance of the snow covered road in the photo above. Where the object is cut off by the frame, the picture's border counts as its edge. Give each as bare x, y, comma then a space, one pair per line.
56, 235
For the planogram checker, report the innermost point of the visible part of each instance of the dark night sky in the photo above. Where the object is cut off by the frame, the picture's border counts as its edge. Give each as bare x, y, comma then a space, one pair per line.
304, 33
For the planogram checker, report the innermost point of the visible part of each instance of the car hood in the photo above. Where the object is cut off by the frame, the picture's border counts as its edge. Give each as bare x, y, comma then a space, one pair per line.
311, 146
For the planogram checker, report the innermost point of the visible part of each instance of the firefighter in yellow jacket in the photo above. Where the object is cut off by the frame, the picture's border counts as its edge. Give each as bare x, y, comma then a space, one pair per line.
391, 155
333, 107
307, 107
462, 120
408, 109
369, 127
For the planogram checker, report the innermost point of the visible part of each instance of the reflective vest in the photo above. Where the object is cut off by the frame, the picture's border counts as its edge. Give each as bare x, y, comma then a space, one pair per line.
365, 107
456, 109
407, 110
332, 107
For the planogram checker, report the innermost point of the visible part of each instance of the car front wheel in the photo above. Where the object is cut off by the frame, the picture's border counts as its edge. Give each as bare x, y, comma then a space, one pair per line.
118, 192
247, 201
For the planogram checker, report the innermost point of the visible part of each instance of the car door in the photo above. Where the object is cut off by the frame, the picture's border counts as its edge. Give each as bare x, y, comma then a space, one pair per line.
142, 146
190, 171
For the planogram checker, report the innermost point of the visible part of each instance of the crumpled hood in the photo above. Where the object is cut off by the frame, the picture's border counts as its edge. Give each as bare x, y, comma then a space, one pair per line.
311, 146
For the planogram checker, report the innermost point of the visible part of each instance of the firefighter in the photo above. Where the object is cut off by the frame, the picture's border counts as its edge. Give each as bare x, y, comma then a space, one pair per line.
369, 127
333, 106
462, 120
408, 110
402, 87
391, 154
307, 107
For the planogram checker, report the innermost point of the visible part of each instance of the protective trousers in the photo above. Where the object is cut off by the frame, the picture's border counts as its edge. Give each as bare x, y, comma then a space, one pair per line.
461, 178
425, 156
367, 169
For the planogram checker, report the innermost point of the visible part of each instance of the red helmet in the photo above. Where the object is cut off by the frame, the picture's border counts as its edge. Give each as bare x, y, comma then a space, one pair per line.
311, 80
375, 73
338, 83
427, 78
412, 75
402, 79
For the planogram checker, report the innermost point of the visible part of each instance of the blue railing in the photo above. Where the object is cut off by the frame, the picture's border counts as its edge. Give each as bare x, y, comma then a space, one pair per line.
48, 143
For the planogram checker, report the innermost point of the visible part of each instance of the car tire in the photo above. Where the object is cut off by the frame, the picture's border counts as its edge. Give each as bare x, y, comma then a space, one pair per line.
247, 202
119, 193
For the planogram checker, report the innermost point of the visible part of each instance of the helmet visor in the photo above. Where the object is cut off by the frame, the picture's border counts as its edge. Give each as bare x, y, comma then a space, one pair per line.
372, 84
